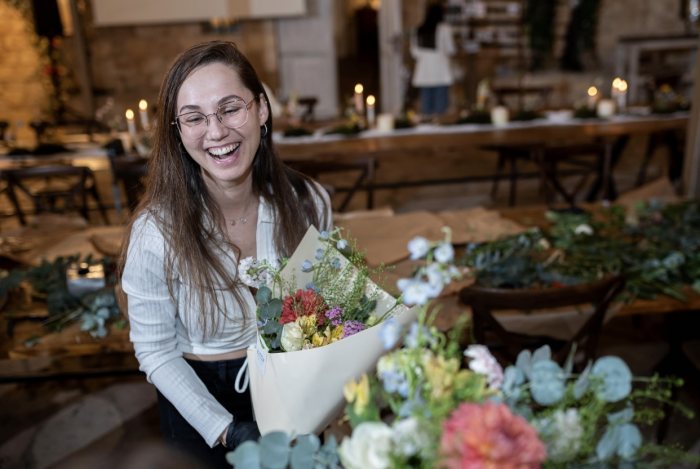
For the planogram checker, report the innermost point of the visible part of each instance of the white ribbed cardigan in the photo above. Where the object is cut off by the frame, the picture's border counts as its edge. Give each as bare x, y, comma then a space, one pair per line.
162, 330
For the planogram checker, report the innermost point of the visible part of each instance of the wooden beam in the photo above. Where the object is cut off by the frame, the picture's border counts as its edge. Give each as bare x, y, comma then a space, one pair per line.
691, 164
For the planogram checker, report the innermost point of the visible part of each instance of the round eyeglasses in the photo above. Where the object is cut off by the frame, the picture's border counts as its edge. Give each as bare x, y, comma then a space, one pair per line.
232, 114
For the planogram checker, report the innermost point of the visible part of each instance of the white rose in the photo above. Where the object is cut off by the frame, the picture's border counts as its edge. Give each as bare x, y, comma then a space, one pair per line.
292, 337
368, 447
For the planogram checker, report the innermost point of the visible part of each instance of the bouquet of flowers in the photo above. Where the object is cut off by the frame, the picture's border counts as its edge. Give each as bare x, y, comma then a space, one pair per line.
316, 314
429, 404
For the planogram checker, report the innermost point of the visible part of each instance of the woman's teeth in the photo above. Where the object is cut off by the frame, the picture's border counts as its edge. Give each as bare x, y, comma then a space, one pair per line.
223, 151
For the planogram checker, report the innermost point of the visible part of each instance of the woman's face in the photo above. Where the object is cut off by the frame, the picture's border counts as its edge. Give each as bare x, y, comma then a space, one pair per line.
224, 154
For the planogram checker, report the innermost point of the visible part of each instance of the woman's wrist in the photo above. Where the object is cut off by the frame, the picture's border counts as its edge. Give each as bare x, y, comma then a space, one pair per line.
224, 434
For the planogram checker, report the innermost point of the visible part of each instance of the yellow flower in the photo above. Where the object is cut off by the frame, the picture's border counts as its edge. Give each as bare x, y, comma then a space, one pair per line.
307, 324
319, 340
441, 374
358, 393
336, 333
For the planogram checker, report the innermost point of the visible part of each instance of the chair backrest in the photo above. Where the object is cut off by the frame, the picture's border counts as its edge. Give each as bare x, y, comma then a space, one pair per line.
130, 173
77, 182
364, 168
506, 344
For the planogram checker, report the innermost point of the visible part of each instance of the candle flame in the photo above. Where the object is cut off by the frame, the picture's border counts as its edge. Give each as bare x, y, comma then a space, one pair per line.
622, 86
359, 88
143, 104
370, 100
129, 114
592, 91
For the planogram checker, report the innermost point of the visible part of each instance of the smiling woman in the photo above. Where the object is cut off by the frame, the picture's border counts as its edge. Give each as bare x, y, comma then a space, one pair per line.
215, 191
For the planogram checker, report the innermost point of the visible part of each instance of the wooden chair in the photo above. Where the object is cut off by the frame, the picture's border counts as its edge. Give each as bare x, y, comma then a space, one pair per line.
54, 188
552, 160
506, 344
128, 172
362, 167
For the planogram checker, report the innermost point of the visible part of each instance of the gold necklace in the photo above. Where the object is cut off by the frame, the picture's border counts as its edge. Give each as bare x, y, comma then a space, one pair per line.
240, 220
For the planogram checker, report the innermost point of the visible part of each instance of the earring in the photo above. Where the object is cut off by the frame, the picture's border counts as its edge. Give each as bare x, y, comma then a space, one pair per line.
263, 134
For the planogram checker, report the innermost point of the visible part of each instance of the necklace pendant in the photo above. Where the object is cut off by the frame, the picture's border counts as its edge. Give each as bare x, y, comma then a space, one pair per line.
236, 221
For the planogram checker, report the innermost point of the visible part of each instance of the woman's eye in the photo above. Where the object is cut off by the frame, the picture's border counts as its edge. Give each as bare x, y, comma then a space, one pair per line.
230, 109
193, 120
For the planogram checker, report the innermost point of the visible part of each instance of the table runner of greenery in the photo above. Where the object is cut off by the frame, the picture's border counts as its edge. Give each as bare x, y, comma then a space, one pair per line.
656, 247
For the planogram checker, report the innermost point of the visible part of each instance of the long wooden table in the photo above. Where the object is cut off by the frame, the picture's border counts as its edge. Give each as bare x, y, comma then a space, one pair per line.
73, 353
465, 138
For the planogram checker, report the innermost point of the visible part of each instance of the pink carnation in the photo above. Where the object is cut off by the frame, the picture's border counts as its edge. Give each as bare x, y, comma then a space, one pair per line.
489, 435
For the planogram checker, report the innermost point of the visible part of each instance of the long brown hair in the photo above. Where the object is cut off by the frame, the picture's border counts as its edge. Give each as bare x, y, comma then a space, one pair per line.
177, 197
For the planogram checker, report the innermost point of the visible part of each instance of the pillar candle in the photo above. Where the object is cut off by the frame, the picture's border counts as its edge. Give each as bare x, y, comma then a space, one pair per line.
619, 93
143, 114
592, 97
385, 122
359, 99
370, 111
605, 108
130, 123
499, 116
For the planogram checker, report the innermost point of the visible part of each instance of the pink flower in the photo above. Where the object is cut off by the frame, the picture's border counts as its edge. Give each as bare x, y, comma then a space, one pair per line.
483, 362
489, 435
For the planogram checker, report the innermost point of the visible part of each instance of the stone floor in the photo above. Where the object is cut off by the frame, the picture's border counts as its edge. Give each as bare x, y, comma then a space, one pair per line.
113, 423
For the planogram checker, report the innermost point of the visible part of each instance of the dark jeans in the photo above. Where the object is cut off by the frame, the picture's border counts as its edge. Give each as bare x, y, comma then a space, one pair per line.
218, 377
434, 99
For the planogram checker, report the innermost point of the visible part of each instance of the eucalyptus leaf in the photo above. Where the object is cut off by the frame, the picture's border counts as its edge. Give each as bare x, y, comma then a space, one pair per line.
302, 455
274, 450
246, 455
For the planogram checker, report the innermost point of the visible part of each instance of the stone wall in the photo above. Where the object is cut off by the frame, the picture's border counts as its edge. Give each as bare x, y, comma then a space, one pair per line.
23, 83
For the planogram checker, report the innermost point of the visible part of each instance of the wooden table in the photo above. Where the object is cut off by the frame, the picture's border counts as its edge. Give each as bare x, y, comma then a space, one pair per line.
465, 138
72, 353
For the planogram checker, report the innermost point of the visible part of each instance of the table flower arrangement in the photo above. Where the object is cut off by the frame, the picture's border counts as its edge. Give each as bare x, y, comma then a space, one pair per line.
429, 404
316, 312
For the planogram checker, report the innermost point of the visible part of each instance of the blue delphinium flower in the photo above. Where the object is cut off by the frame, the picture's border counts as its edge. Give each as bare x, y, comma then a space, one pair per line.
418, 247
335, 263
615, 376
319, 254
390, 332
394, 381
414, 291
341, 244
444, 253
324, 235
307, 266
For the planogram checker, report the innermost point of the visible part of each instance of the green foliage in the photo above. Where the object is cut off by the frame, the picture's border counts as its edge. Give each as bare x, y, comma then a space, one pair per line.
269, 310
48, 280
658, 251
276, 450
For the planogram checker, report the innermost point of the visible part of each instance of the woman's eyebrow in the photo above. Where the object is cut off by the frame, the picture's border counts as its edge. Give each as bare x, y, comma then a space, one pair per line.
194, 107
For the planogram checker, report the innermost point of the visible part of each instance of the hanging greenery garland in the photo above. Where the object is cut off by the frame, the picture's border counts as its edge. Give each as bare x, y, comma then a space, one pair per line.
539, 23
581, 35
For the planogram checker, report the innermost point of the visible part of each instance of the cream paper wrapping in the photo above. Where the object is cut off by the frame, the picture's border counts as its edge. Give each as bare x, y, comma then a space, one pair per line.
301, 392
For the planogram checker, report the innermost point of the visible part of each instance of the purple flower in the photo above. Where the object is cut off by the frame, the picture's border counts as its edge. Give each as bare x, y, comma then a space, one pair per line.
352, 328
334, 315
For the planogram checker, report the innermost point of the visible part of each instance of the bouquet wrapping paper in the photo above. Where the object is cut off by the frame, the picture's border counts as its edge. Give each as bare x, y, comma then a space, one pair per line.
301, 392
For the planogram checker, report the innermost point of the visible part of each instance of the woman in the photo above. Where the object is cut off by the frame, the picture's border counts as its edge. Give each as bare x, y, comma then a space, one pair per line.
431, 47
216, 192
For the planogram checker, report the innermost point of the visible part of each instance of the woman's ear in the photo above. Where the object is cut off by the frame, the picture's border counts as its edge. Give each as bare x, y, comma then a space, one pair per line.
263, 109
